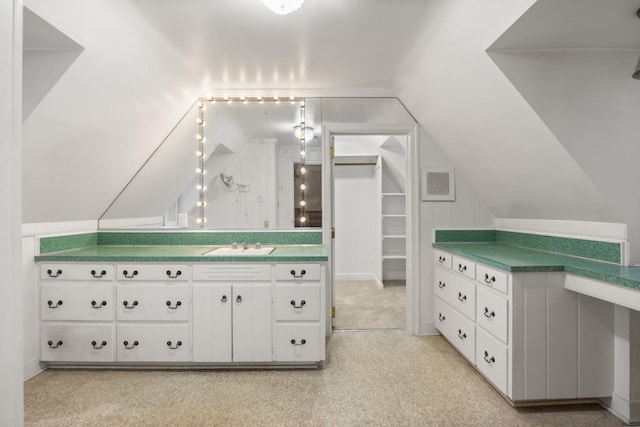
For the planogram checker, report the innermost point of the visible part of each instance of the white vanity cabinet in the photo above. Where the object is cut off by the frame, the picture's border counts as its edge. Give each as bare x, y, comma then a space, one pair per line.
298, 307
152, 313
526, 334
77, 312
232, 316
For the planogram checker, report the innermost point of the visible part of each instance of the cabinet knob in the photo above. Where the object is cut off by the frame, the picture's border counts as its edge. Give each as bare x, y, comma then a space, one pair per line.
462, 268
98, 305
302, 342
173, 347
223, 299
239, 299
302, 273
97, 345
174, 275
174, 307
441, 259
129, 347
52, 274
299, 307
57, 304
98, 275
56, 345
133, 274
441, 317
488, 279
461, 297
129, 307
489, 314
441, 284
490, 360
461, 334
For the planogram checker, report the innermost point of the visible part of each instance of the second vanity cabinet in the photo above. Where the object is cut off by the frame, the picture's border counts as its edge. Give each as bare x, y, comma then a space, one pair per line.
184, 314
532, 339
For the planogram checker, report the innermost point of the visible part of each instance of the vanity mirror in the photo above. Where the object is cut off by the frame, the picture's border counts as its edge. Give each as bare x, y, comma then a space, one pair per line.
236, 163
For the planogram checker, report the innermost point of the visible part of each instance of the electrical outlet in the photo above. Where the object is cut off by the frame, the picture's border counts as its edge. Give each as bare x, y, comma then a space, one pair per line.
183, 219
266, 223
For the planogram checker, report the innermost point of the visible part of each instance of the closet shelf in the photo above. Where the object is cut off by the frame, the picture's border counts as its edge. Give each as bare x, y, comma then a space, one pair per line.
394, 236
394, 216
394, 256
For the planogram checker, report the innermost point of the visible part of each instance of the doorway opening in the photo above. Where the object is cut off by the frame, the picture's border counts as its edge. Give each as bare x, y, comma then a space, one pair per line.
369, 182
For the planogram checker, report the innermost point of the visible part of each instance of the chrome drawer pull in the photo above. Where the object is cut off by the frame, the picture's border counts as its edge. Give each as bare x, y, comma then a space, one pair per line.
51, 274
299, 307
96, 305
133, 274
58, 344
441, 259
490, 360
129, 347
488, 279
461, 297
172, 347
441, 317
174, 276
98, 276
50, 304
302, 342
462, 268
223, 299
441, 284
462, 335
129, 307
302, 273
98, 347
175, 307
489, 315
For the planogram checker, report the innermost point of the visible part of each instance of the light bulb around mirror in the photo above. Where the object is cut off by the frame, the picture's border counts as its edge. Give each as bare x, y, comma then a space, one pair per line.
303, 153
303, 187
303, 219
303, 170
303, 203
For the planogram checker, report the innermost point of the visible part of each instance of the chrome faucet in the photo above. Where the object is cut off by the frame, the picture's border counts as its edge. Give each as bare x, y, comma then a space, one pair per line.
245, 245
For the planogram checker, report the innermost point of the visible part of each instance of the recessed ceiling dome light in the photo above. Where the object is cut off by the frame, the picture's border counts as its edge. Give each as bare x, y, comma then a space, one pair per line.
282, 7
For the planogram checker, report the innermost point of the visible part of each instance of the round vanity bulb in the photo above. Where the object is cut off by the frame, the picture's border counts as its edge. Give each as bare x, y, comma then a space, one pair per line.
198, 170
199, 153
199, 220
303, 187
303, 219
198, 187
303, 153
199, 137
303, 170
199, 121
303, 203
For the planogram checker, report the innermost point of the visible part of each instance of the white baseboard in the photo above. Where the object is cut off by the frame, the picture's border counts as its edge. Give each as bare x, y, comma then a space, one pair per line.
356, 276
625, 409
32, 368
427, 329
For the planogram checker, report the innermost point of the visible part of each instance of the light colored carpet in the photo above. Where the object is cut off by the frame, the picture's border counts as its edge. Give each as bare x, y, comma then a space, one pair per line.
361, 305
375, 378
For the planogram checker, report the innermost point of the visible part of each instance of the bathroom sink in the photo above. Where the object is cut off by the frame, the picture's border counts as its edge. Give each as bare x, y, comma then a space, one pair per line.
251, 251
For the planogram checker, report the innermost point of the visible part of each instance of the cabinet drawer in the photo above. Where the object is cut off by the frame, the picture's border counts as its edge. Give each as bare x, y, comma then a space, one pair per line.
297, 302
91, 272
491, 359
76, 301
297, 342
152, 303
458, 291
298, 272
240, 272
153, 272
459, 330
443, 284
153, 343
442, 258
464, 266
61, 342
494, 279
492, 313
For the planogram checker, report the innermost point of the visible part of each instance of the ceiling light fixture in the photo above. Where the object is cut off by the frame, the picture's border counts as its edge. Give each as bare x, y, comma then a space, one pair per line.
282, 7
308, 133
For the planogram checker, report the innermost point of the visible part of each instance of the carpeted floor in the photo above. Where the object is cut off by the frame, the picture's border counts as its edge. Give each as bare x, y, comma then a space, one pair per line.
361, 305
373, 378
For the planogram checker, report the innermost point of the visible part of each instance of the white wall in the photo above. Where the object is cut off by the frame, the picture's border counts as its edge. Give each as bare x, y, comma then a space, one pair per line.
11, 389
483, 125
467, 211
357, 222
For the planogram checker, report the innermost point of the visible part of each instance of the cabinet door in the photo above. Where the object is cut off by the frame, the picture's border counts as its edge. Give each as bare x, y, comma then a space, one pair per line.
76, 301
153, 343
74, 342
212, 323
152, 302
252, 323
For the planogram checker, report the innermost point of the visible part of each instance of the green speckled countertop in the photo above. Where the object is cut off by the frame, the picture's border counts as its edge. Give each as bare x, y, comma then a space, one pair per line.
181, 253
515, 259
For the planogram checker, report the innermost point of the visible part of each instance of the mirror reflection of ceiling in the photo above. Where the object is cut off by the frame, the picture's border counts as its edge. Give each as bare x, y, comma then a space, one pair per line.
250, 152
